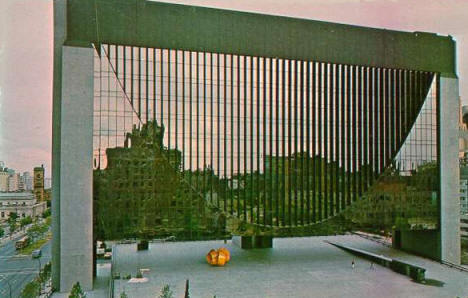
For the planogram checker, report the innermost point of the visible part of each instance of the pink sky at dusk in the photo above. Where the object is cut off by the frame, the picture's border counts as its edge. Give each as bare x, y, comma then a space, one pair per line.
26, 33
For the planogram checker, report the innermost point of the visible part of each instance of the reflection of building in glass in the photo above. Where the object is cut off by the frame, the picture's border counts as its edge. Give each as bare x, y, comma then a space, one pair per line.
142, 192
281, 143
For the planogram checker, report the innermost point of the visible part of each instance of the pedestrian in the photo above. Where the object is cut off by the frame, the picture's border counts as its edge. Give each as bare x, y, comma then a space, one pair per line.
352, 264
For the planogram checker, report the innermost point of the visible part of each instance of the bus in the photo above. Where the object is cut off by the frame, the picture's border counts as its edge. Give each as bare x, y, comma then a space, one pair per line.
22, 243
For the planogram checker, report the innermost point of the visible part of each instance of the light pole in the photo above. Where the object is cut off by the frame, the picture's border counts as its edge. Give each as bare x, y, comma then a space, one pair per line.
8, 282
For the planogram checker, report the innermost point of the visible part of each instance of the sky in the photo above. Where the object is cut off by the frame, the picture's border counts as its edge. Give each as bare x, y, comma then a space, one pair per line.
26, 40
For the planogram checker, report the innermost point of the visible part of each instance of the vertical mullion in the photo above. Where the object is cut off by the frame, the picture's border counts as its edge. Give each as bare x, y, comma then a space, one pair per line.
270, 187
169, 102
176, 82
359, 127
257, 176
245, 138
296, 152
183, 103
348, 133
325, 141
354, 133
382, 121
204, 125
301, 142
190, 131
314, 140
397, 110
197, 120
211, 128
238, 102
376, 122
365, 163
289, 143
308, 156
277, 141
337, 141
225, 129
146, 86
232, 133
218, 126
319, 141
283, 140
331, 108
343, 135
252, 217
265, 201
154, 85
371, 108
392, 113
161, 60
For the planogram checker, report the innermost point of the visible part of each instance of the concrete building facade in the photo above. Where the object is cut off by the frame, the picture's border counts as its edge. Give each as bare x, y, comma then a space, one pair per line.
24, 204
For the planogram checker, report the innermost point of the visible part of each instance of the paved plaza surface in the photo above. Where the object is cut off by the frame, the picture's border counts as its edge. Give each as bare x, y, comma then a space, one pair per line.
295, 267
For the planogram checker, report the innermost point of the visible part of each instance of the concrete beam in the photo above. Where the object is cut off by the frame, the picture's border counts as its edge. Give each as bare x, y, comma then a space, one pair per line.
450, 173
73, 201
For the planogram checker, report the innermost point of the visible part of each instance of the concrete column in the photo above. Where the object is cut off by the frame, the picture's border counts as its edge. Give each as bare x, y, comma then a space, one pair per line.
450, 173
73, 241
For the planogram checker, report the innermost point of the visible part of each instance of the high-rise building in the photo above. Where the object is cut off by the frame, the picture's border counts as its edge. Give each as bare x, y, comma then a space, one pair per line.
47, 183
27, 180
13, 182
3, 180
39, 183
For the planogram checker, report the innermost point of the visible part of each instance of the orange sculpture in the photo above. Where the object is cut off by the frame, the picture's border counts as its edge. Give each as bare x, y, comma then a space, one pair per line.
218, 257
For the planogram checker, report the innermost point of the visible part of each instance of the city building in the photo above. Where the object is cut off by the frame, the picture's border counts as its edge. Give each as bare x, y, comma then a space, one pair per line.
463, 159
28, 181
14, 182
464, 226
4, 176
47, 183
39, 182
24, 204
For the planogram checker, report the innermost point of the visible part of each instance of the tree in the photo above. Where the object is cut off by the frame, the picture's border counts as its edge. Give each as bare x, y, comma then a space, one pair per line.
2, 232
166, 292
46, 213
37, 231
12, 222
123, 295
31, 289
25, 221
77, 292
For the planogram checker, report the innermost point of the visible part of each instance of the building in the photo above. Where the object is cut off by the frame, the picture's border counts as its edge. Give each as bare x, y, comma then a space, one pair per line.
22, 203
47, 183
390, 72
3, 180
14, 182
464, 226
28, 181
39, 182
463, 158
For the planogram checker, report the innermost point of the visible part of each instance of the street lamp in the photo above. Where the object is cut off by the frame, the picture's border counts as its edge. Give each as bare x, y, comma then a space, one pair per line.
8, 282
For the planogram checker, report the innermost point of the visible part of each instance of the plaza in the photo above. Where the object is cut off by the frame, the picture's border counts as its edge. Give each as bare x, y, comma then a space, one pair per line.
295, 267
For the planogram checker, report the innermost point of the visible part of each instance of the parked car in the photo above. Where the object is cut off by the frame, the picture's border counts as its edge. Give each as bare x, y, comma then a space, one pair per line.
36, 253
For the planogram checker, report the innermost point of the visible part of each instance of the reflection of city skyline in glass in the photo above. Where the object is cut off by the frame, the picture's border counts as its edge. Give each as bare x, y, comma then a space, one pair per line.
289, 142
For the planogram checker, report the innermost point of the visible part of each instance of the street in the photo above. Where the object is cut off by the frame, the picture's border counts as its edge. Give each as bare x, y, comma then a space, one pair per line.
17, 271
